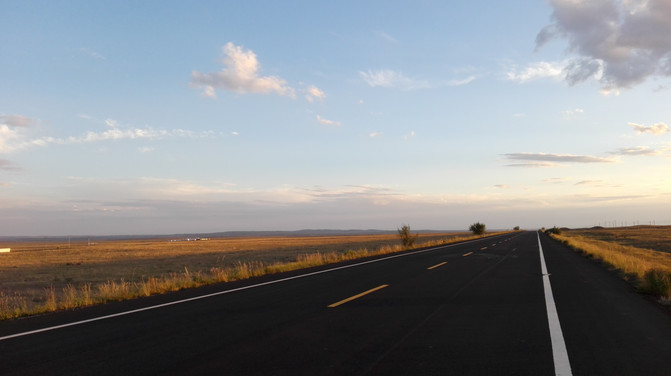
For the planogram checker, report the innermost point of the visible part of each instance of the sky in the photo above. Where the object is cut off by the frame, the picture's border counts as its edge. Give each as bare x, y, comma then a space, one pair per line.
162, 117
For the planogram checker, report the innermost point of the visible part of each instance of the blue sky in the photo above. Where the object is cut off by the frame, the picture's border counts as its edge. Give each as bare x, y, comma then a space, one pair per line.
161, 117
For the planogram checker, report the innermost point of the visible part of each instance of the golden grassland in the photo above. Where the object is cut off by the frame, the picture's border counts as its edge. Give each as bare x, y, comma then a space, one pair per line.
642, 253
38, 277
657, 238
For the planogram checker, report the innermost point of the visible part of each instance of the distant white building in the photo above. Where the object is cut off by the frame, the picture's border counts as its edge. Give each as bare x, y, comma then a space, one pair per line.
5, 250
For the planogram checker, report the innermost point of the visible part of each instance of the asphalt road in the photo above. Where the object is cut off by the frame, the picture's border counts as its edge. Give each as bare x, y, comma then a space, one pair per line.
477, 308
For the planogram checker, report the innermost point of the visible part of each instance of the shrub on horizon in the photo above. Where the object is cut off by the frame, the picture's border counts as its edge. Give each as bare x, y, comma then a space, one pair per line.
555, 230
478, 228
407, 239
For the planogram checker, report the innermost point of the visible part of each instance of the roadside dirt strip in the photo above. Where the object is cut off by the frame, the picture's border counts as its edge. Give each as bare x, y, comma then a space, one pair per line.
475, 308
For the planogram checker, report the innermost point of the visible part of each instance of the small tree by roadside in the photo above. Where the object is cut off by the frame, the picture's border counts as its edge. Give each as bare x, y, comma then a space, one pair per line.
477, 228
407, 238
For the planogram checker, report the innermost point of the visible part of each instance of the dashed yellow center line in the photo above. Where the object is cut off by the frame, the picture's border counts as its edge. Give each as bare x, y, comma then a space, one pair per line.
483, 248
357, 296
435, 266
467, 254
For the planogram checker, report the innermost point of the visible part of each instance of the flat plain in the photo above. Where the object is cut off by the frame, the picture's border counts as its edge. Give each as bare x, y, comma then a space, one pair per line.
43, 276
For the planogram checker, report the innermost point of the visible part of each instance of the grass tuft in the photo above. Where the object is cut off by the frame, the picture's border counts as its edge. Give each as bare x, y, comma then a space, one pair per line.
656, 282
51, 303
11, 306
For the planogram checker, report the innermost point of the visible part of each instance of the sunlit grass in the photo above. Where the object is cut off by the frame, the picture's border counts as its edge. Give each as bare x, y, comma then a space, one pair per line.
657, 238
93, 290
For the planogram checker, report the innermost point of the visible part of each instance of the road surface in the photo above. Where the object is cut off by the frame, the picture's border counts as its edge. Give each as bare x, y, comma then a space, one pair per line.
476, 308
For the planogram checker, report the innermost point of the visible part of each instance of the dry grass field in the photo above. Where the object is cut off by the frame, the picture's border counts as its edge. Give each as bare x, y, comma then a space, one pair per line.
657, 238
642, 253
37, 277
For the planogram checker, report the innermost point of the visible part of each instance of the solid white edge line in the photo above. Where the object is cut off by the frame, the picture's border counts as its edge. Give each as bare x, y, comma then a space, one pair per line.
559, 352
47, 329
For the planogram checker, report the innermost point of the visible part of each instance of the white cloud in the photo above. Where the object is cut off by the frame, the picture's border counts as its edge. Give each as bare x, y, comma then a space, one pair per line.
375, 134
113, 134
535, 71
146, 149
111, 123
209, 92
9, 138
240, 74
569, 114
392, 79
656, 129
313, 93
461, 82
409, 135
619, 43
321, 120
12, 140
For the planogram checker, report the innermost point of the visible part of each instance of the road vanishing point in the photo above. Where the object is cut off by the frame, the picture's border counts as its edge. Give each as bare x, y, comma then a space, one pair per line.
513, 304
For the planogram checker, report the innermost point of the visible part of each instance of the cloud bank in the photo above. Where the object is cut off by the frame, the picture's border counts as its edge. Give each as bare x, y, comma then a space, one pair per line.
619, 43
164, 206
